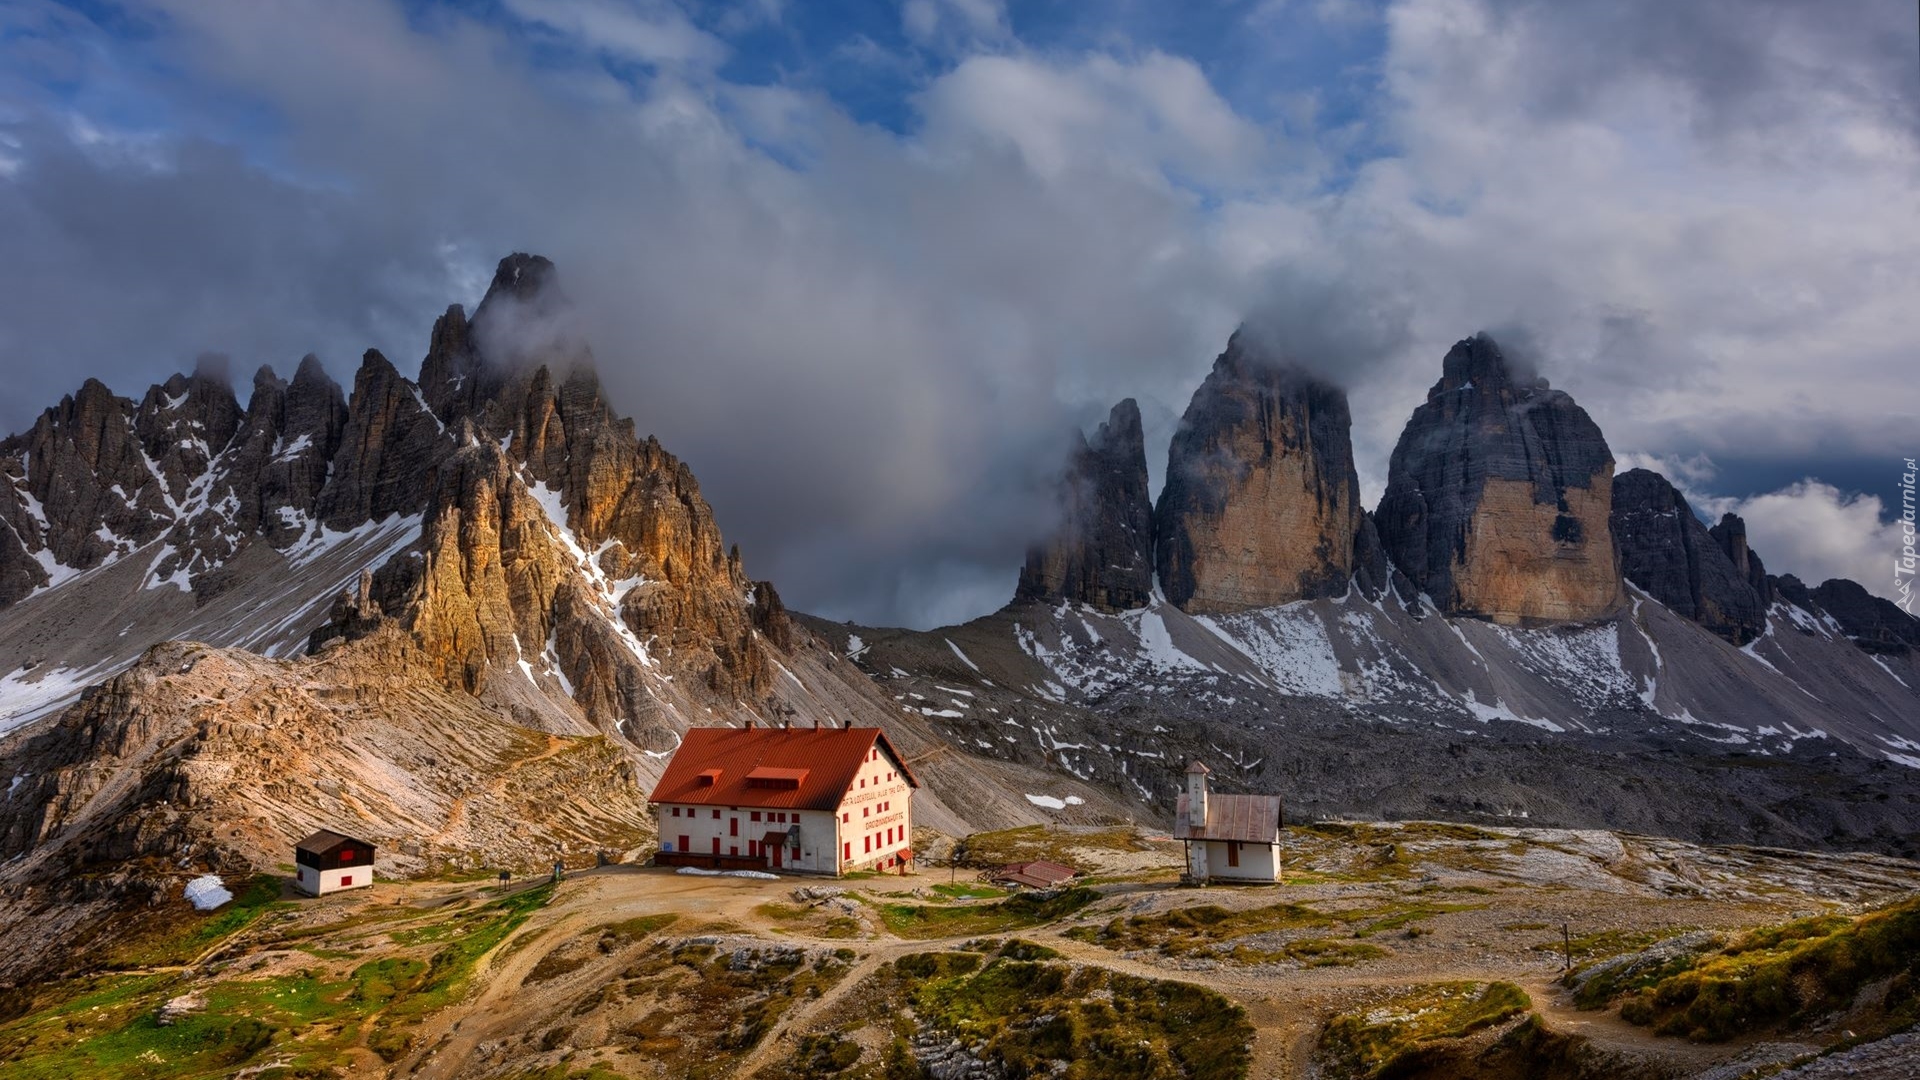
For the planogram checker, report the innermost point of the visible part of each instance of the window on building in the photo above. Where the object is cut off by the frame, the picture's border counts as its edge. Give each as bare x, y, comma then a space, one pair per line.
733, 826
866, 811
863, 781
846, 817
756, 815
716, 845
1233, 853
676, 811
846, 851
716, 813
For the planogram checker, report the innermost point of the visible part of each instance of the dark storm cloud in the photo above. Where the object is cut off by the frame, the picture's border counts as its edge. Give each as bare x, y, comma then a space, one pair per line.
1742, 66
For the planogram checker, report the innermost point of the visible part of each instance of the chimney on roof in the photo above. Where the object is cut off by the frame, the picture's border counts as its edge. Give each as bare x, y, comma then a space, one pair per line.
1197, 792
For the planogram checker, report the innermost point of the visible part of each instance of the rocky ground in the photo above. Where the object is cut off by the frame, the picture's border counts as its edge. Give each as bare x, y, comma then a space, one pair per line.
635, 972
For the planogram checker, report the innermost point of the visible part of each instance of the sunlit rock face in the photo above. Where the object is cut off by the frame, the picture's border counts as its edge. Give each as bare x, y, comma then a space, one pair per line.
1261, 504
1499, 495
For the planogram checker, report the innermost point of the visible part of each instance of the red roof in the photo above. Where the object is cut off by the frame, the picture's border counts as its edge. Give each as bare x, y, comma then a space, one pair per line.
1249, 818
820, 764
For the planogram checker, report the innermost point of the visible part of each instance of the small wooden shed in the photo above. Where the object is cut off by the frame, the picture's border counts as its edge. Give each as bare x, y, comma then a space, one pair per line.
329, 862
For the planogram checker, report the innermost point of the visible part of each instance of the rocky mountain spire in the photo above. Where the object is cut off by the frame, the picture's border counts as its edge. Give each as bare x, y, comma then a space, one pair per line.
1499, 494
1261, 504
1668, 553
1101, 553
1731, 536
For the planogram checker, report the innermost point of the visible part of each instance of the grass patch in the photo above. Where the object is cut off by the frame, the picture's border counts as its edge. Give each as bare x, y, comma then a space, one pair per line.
1313, 952
1053, 843
1014, 913
955, 891
706, 1006
181, 936
306, 1018
1381, 1041
575, 953
1013, 1005
1212, 930
1789, 975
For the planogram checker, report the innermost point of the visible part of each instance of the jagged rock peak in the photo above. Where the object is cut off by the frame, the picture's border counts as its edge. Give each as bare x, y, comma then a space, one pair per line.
1731, 535
1669, 554
1261, 504
1499, 496
1101, 553
521, 277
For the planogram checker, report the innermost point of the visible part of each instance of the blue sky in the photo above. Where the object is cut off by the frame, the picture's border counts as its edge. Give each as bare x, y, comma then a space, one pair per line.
862, 264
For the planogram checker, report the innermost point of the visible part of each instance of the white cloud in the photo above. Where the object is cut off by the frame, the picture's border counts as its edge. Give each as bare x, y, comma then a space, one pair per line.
652, 32
1816, 532
925, 20
1156, 115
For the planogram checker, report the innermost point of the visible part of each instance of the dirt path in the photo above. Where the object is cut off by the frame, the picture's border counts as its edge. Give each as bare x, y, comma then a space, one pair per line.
457, 811
1286, 1005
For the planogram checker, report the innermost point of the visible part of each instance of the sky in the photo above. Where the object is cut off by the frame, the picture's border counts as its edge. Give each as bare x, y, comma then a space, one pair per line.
865, 265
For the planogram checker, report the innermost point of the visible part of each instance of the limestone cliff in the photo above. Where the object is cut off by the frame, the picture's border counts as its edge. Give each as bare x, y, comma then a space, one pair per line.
1102, 551
1667, 551
1499, 495
1261, 504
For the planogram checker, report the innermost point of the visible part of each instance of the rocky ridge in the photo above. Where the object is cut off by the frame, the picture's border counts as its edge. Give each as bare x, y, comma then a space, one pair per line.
1261, 504
1668, 553
1499, 497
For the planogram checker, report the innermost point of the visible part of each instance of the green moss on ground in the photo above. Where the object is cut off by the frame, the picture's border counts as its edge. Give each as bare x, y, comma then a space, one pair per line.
1379, 1041
1014, 913
707, 1009
1012, 1004
1789, 975
107, 1026
1209, 929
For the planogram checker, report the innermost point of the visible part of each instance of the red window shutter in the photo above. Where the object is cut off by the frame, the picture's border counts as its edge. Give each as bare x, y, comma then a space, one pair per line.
756, 815
733, 826
346, 880
846, 851
1233, 853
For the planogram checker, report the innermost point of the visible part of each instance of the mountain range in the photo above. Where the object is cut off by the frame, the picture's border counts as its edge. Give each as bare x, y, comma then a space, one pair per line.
469, 614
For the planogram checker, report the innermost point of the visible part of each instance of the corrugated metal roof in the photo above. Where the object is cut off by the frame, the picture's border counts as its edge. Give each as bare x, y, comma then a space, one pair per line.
1247, 818
826, 759
326, 840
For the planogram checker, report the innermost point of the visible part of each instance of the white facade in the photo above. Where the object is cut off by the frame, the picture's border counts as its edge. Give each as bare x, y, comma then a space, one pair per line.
1233, 860
870, 828
317, 882
875, 820
739, 831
